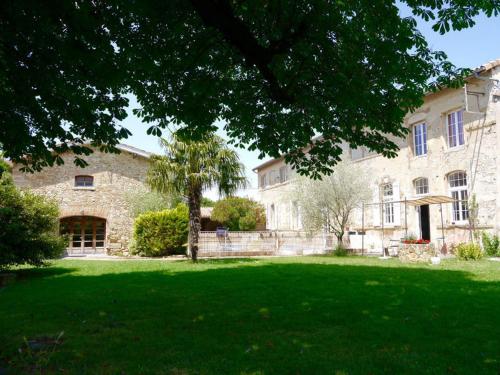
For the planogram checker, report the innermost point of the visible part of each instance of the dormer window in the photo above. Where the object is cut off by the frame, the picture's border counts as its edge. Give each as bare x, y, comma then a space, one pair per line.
84, 181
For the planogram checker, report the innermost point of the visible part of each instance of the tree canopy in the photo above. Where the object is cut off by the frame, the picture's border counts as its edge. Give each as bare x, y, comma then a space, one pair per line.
278, 73
239, 214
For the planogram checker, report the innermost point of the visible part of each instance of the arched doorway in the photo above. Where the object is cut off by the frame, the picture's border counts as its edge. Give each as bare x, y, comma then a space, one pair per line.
86, 234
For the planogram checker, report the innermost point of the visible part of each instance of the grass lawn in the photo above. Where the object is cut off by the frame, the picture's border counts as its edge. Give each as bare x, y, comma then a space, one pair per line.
310, 315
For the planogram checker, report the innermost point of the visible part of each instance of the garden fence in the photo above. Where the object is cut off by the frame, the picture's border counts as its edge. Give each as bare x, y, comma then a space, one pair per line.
213, 244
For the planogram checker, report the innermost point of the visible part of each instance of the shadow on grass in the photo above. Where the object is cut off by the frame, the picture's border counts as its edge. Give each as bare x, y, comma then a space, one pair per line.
227, 260
275, 318
40, 272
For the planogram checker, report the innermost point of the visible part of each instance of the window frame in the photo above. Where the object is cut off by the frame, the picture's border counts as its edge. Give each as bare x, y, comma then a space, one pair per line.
85, 184
388, 204
264, 180
457, 130
283, 173
460, 194
416, 185
421, 137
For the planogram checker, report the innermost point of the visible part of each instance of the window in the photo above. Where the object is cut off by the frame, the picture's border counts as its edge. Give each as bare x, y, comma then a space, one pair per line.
420, 139
458, 189
455, 128
263, 180
284, 173
387, 198
84, 181
296, 216
272, 217
422, 186
86, 233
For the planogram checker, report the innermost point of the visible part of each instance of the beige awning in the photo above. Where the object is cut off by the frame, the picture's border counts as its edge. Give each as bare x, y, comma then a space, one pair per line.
429, 199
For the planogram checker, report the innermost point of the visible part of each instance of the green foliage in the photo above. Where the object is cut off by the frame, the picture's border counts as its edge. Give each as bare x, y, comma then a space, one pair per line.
491, 244
207, 202
161, 233
340, 251
143, 201
267, 71
29, 224
330, 201
190, 166
4, 166
468, 251
239, 214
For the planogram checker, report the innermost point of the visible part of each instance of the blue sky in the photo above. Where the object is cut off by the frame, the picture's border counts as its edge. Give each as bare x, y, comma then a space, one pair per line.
467, 48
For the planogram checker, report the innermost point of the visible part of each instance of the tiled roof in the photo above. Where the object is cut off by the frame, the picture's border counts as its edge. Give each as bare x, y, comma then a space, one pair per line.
488, 66
133, 150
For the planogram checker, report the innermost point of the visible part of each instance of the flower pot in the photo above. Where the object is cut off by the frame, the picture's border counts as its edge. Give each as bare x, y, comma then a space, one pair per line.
435, 260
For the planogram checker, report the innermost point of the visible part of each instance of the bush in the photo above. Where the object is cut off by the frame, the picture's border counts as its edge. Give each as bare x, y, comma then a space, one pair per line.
238, 213
340, 251
491, 244
468, 251
161, 233
29, 227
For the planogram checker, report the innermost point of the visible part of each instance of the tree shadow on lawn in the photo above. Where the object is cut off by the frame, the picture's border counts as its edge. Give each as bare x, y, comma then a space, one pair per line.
277, 318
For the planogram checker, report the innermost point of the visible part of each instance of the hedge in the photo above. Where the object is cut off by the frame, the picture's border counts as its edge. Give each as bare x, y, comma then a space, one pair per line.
28, 227
162, 232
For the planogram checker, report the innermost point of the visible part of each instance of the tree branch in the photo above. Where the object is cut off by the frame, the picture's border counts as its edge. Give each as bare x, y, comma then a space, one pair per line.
219, 14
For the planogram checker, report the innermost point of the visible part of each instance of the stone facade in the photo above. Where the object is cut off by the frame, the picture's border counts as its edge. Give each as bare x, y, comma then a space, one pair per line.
114, 176
436, 164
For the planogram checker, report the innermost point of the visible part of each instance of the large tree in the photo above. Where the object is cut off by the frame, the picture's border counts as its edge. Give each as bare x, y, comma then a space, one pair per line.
277, 72
189, 167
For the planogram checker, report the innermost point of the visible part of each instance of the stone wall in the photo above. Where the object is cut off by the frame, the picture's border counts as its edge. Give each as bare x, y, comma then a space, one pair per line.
115, 176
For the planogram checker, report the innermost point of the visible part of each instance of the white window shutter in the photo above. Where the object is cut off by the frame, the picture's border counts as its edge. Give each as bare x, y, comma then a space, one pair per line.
376, 209
277, 215
397, 206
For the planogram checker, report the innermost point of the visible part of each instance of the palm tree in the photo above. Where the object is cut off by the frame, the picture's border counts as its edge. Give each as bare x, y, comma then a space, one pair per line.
189, 167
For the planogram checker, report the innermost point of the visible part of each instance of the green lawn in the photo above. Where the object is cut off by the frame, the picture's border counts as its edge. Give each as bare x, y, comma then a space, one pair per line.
311, 315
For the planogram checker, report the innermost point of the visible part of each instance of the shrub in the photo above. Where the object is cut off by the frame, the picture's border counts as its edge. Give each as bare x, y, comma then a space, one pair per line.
238, 213
4, 166
340, 251
29, 225
491, 244
207, 202
468, 251
161, 233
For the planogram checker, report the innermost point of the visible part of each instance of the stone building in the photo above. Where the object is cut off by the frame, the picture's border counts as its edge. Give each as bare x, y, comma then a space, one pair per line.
93, 200
451, 150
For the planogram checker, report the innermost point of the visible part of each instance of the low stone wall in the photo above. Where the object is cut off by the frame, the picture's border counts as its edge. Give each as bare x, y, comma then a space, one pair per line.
416, 253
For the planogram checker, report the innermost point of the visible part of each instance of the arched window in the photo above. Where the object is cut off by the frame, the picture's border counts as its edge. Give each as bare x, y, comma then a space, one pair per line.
421, 186
84, 181
458, 190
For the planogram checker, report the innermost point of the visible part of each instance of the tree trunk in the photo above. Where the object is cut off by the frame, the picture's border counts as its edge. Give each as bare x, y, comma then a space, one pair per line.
340, 238
194, 204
